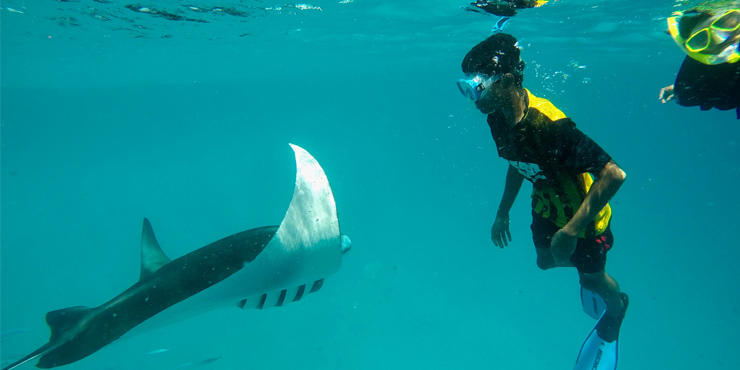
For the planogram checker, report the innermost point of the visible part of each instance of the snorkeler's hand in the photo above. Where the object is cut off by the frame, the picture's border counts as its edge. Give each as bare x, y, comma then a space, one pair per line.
562, 246
666, 94
500, 232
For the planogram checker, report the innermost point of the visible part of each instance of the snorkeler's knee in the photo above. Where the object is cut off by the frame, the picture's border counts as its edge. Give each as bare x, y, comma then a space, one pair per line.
545, 263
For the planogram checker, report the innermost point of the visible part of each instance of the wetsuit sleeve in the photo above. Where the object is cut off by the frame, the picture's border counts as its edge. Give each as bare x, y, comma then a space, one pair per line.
575, 152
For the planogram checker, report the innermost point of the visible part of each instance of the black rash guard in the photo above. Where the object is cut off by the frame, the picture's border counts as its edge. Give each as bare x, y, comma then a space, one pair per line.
708, 86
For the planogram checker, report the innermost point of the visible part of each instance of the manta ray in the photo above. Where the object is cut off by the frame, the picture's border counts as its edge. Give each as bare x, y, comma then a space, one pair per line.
258, 268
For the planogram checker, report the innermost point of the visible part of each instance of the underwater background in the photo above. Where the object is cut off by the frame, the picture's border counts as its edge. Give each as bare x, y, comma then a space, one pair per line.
111, 113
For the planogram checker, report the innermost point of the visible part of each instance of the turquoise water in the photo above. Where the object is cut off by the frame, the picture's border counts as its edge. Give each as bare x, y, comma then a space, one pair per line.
110, 115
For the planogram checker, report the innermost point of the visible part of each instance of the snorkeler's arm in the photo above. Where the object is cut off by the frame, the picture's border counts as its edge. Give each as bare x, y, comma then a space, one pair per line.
500, 234
608, 181
514, 181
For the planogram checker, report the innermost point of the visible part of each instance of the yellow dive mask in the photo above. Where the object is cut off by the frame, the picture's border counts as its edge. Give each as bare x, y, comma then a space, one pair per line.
715, 43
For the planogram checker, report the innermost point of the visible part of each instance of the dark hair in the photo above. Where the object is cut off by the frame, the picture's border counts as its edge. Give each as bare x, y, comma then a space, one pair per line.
497, 54
701, 12
687, 23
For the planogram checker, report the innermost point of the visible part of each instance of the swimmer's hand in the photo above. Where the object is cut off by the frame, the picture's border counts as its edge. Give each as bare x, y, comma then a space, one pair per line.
666, 94
500, 232
562, 246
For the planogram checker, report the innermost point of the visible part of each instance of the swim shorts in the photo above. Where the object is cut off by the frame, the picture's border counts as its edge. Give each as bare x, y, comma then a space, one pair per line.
590, 253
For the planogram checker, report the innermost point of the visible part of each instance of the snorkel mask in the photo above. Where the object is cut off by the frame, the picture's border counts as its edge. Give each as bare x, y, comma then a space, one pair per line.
474, 86
713, 41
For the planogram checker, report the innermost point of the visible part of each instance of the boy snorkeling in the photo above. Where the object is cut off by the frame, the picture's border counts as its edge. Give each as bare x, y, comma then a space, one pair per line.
709, 34
570, 213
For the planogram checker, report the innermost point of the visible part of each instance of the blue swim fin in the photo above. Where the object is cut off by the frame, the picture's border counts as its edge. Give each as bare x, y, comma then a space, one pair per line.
593, 304
597, 354
500, 24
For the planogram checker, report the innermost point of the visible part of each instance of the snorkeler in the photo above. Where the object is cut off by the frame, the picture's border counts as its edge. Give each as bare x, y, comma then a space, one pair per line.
709, 34
570, 211
503, 8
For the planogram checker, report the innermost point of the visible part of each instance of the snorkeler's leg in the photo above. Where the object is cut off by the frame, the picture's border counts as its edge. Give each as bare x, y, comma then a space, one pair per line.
600, 350
616, 302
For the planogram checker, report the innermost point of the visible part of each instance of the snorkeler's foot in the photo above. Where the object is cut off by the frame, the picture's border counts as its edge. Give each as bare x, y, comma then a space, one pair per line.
608, 327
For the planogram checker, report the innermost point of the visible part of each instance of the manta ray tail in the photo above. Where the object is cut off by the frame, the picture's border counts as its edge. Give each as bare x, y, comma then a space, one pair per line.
39, 352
